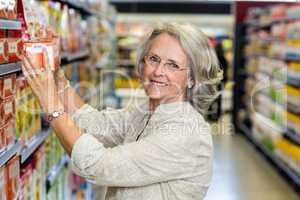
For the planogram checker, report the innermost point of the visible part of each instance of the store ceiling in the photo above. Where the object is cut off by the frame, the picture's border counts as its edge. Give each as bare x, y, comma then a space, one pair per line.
173, 6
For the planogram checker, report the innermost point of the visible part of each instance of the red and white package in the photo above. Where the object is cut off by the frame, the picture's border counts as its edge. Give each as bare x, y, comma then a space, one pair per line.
12, 9
9, 133
9, 109
44, 52
3, 8
3, 51
1, 114
3, 183
13, 177
2, 142
8, 85
15, 47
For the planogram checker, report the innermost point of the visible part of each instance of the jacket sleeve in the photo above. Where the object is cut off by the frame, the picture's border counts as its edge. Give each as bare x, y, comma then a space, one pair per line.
174, 151
108, 126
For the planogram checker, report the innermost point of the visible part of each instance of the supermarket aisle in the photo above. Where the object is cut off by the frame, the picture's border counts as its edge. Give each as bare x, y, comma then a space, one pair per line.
240, 173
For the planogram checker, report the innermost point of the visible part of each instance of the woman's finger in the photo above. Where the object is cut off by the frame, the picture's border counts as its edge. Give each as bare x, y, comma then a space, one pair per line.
30, 66
27, 75
46, 57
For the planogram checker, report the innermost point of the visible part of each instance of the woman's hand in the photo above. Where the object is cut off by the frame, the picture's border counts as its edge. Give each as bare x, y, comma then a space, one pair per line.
42, 84
61, 81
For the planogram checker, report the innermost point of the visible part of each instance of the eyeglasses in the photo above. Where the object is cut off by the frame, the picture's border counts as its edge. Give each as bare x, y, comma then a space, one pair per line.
154, 61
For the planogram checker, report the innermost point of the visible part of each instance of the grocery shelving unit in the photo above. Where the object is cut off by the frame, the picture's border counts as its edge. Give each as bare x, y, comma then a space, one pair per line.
7, 154
68, 58
25, 151
33, 144
10, 68
6, 69
52, 175
241, 113
10, 24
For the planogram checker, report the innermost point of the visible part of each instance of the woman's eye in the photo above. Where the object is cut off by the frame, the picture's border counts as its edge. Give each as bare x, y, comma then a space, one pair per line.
173, 66
154, 59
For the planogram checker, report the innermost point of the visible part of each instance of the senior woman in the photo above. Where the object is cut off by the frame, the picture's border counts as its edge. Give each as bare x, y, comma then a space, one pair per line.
160, 151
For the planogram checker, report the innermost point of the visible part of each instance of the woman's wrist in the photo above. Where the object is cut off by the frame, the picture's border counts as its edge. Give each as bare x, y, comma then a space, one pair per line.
63, 88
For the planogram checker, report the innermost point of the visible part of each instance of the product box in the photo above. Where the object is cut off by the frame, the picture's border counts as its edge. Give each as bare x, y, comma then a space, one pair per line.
2, 141
13, 175
3, 51
1, 114
3, 183
12, 9
44, 52
8, 85
9, 133
3, 8
9, 109
15, 47
25, 186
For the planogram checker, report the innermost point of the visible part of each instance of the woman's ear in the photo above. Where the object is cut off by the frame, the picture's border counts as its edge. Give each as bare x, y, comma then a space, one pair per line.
190, 82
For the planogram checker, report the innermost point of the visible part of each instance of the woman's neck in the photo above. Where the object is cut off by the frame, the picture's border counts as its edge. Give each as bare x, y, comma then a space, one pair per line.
154, 103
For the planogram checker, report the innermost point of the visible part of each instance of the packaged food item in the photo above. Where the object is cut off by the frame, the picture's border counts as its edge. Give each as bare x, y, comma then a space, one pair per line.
12, 9
25, 186
8, 85
43, 52
1, 114
15, 46
3, 51
3, 183
9, 133
13, 175
9, 109
3, 8
2, 142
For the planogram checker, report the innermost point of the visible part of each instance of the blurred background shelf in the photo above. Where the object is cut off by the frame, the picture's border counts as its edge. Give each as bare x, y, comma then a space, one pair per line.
9, 152
33, 144
10, 68
10, 24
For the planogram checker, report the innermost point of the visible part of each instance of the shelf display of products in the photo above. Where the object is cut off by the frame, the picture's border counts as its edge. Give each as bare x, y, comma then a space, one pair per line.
33, 164
270, 117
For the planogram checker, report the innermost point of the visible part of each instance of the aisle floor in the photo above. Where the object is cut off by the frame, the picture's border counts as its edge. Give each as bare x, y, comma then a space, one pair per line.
241, 173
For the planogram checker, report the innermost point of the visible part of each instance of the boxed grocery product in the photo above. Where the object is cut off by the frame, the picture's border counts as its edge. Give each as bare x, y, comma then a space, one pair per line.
44, 52
13, 178
3, 183
3, 51
40, 169
9, 132
8, 85
2, 141
26, 172
12, 9
9, 109
1, 114
3, 8
15, 47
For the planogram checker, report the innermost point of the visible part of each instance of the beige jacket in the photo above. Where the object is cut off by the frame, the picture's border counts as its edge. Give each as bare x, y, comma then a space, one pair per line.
171, 160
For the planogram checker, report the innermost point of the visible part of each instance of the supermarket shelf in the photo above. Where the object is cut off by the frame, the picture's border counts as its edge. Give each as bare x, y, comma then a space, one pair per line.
35, 142
257, 24
292, 136
55, 171
10, 24
125, 63
293, 80
77, 6
9, 153
291, 174
68, 58
10, 68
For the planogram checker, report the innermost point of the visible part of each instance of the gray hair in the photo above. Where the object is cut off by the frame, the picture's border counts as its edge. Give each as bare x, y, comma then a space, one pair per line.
204, 65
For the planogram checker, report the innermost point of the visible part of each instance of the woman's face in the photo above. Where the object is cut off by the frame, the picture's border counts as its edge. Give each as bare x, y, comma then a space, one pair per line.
165, 71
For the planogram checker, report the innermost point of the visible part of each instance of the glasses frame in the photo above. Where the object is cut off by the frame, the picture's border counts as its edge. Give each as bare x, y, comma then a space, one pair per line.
148, 62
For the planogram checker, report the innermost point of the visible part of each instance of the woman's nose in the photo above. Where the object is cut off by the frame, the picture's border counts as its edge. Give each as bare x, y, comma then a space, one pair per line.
160, 69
